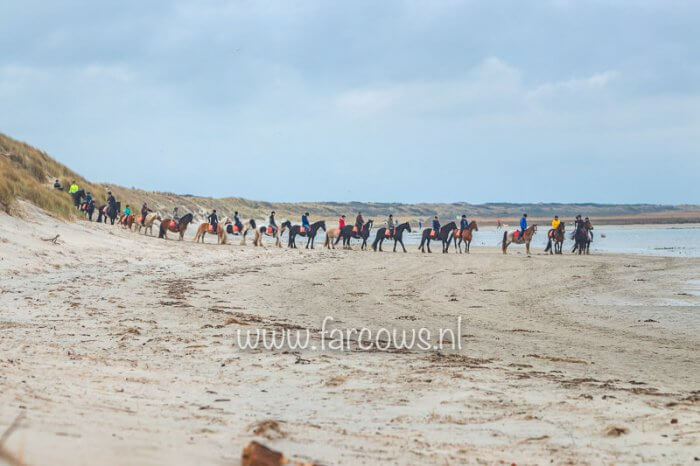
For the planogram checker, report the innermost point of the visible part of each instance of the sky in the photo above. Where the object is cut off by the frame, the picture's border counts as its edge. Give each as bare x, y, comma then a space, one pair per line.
387, 101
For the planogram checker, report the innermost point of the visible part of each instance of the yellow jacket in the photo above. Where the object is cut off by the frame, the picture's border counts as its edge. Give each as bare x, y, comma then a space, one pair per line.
555, 224
73, 189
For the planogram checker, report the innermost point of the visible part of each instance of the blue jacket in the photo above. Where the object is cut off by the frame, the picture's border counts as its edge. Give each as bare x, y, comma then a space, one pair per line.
463, 224
523, 223
436, 224
304, 221
88, 199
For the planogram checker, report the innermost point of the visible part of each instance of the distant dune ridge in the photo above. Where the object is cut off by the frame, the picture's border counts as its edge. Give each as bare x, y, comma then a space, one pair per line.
28, 173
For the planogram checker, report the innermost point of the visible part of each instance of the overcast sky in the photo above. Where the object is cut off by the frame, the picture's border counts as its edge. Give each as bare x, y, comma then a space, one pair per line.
536, 101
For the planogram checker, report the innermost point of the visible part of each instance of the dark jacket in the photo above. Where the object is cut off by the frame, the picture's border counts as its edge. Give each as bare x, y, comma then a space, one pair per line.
213, 219
464, 224
436, 225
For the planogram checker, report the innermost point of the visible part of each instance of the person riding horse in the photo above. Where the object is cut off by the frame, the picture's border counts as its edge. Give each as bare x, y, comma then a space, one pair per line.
390, 226
341, 222
523, 225
359, 221
237, 221
436, 226
305, 222
144, 211
272, 224
463, 224
555, 224
176, 216
213, 220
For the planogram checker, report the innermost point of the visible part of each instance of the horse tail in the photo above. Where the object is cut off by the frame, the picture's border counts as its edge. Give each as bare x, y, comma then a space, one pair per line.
326, 244
161, 231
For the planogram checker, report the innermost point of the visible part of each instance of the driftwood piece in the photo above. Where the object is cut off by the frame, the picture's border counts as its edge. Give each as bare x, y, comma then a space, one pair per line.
257, 454
53, 240
5, 455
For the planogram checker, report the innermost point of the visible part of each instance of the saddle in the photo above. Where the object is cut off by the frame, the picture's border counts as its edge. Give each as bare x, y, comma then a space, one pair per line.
354, 229
303, 229
138, 219
432, 233
516, 234
211, 230
270, 231
389, 233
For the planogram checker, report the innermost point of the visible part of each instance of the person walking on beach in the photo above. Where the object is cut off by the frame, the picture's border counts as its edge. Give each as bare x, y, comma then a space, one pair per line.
523, 225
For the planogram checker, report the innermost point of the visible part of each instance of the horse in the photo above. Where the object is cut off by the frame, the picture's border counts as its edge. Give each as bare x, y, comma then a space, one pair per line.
168, 224
350, 231
240, 229
78, 198
147, 224
582, 238
107, 211
556, 239
383, 233
127, 220
310, 233
515, 238
443, 235
331, 234
269, 231
88, 208
465, 235
220, 232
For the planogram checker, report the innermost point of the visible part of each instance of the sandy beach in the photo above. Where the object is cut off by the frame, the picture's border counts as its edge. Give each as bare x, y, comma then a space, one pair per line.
118, 348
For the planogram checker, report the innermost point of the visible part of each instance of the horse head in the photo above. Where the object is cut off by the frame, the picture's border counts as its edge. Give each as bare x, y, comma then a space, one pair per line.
322, 225
286, 224
408, 227
185, 219
473, 225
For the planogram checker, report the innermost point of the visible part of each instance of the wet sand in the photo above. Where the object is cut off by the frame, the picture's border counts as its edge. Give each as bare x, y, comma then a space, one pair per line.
118, 348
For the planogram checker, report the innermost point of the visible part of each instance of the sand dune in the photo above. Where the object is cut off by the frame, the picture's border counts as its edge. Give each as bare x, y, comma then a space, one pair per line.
120, 348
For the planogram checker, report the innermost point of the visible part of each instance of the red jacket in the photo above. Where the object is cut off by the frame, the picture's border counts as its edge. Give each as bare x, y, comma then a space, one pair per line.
341, 222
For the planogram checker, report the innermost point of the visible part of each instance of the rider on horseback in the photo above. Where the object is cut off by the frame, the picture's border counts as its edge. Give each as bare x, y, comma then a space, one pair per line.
341, 222
176, 216
359, 221
390, 225
436, 226
111, 201
88, 199
213, 220
73, 188
305, 222
556, 222
463, 224
523, 225
237, 221
144, 211
127, 211
272, 222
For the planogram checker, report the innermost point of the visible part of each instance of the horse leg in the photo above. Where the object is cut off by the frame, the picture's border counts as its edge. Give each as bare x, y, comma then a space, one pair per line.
427, 243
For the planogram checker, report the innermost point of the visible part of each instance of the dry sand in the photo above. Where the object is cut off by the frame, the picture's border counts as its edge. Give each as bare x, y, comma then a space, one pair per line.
120, 348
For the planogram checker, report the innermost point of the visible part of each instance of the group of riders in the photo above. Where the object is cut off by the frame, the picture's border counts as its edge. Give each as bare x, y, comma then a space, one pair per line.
580, 224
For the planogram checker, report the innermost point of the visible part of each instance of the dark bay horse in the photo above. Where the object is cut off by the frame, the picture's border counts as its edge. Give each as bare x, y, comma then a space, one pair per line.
443, 235
466, 236
350, 231
106, 211
78, 198
88, 208
384, 234
168, 224
555, 240
582, 238
310, 234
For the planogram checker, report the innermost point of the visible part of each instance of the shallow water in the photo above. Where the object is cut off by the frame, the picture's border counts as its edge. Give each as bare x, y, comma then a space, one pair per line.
681, 240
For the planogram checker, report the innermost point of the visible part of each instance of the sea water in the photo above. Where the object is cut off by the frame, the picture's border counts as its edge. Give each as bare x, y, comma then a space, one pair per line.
681, 240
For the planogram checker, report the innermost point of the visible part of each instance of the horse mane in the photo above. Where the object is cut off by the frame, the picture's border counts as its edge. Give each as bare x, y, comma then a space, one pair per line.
252, 223
187, 218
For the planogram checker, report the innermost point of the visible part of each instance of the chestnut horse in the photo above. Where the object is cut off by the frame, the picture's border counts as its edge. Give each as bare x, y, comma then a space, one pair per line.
525, 239
148, 224
168, 224
269, 231
465, 235
556, 238
220, 232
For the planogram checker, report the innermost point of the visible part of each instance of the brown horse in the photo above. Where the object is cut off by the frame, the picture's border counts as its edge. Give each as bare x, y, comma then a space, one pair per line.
466, 236
331, 234
168, 224
556, 239
148, 224
515, 238
220, 232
